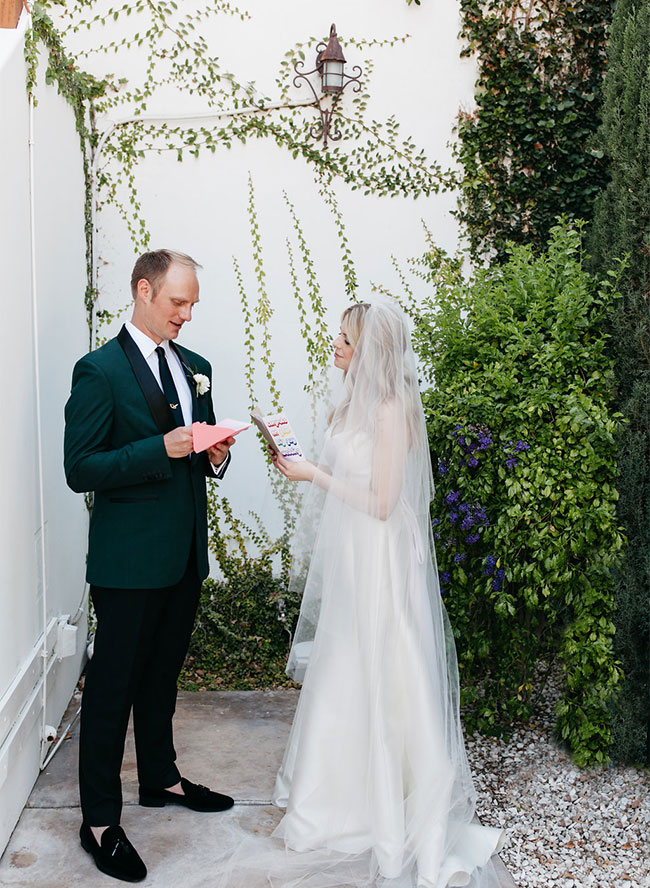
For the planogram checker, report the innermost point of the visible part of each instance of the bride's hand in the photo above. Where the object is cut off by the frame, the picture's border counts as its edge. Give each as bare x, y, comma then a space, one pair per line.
294, 470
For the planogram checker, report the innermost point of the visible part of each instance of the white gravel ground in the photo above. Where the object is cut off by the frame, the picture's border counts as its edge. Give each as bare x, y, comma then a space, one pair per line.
566, 827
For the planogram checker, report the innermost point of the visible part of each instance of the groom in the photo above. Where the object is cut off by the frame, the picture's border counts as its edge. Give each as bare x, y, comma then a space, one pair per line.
128, 439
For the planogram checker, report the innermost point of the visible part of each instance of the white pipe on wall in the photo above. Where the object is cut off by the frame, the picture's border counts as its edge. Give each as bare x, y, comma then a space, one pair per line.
39, 433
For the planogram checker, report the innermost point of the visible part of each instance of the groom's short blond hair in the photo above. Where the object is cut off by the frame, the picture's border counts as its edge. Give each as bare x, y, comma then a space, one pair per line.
153, 267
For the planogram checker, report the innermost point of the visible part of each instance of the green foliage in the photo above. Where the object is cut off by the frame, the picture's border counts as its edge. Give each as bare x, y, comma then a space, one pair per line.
263, 308
317, 340
257, 315
522, 432
242, 633
621, 226
81, 91
257, 311
373, 155
245, 620
524, 151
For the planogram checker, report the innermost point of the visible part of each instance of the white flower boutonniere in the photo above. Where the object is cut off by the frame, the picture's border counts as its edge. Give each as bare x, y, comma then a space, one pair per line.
202, 383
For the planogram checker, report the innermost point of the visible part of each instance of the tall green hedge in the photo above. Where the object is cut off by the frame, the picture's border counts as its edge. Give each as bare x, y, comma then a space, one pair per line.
522, 431
524, 149
622, 227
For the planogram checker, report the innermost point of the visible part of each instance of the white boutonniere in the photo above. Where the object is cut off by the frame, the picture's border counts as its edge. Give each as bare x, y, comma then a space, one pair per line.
202, 383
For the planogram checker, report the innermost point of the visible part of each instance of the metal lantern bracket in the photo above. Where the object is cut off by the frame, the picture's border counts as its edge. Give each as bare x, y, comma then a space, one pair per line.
327, 54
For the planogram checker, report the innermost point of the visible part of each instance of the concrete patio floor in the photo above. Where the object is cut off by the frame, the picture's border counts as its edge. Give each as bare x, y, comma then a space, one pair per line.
230, 740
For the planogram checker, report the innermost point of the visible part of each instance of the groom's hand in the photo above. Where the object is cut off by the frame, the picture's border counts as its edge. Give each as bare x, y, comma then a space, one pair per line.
178, 443
218, 452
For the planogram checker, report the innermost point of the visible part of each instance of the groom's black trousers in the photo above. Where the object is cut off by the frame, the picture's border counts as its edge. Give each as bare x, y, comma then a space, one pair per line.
140, 645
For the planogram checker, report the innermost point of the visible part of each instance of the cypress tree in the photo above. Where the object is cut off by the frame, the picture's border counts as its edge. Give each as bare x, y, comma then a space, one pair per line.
622, 228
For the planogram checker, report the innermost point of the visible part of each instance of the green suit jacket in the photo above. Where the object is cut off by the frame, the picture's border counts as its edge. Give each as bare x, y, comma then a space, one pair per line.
147, 507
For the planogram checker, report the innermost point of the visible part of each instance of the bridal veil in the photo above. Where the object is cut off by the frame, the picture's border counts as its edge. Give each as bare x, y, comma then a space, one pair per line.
375, 778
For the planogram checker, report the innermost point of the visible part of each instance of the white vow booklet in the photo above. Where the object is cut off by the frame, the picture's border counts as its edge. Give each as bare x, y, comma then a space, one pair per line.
276, 430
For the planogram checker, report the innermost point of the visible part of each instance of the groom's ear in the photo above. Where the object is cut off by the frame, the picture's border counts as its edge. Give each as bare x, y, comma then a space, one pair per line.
144, 290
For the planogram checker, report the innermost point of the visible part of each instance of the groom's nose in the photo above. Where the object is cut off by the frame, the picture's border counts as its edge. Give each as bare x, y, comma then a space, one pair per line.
186, 312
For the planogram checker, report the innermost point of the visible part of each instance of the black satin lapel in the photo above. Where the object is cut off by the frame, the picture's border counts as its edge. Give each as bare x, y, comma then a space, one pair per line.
190, 379
147, 382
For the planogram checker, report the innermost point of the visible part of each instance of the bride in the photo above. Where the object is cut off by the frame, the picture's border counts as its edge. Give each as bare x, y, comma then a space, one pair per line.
375, 779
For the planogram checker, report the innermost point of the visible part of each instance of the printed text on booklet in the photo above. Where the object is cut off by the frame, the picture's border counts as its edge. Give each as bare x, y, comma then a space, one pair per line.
276, 430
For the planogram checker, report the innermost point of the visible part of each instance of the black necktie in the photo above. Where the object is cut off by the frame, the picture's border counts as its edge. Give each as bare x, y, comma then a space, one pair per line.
169, 388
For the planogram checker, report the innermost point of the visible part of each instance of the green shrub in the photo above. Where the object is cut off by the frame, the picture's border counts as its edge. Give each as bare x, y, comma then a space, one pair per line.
523, 151
621, 226
522, 434
242, 633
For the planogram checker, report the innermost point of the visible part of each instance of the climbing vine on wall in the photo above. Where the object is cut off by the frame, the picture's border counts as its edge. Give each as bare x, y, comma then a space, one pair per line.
81, 90
373, 155
245, 619
525, 149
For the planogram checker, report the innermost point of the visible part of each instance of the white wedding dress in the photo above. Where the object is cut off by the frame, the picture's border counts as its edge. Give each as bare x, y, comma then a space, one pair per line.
367, 770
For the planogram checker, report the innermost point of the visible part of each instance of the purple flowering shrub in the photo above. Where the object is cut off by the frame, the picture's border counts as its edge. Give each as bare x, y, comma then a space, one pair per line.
460, 532
522, 435
474, 457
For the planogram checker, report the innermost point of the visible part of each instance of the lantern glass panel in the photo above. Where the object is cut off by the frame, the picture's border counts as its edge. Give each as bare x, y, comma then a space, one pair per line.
332, 76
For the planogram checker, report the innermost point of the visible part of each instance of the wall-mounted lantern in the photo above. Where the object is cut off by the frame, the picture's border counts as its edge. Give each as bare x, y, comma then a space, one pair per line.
330, 65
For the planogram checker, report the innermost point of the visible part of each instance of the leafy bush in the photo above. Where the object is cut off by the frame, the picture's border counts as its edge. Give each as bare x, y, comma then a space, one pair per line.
242, 633
523, 438
621, 225
524, 151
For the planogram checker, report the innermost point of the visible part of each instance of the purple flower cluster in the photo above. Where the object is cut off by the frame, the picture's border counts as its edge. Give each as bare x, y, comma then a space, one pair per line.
490, 570
473, 519
497, 580
469, 519
472, 439
452, 502
484, 439
512, 450
490, 564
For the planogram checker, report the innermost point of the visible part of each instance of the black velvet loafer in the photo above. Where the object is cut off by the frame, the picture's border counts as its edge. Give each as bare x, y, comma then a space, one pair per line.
115, 856
196, 797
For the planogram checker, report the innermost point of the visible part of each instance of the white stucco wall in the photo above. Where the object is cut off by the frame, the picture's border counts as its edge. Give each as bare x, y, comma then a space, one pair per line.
33, 593
200, 205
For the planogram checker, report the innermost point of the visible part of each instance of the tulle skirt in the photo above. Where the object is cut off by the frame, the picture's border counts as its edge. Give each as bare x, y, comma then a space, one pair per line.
374, 779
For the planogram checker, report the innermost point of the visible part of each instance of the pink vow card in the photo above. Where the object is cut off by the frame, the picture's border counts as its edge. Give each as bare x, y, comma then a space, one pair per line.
204, 435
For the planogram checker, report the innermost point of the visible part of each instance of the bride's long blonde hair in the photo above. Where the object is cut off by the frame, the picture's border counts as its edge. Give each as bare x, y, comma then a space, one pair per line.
355, 315
388, 373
